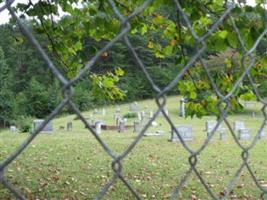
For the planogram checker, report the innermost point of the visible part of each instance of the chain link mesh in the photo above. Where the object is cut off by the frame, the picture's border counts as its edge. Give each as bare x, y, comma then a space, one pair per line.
116, 164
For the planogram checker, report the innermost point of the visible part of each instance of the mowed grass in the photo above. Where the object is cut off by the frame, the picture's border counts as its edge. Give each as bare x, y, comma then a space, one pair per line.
73, 165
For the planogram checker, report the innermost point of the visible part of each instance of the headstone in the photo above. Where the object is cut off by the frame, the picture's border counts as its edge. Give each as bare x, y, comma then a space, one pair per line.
262, 134
210, 125
157, 133
222, 134
118, 109
139, 116
134, 107
13, 128
167, 112
121, 126
69, 126
118, 119
154, 123
151, 114
95, 111
137, 127
103, 111
185, 132
244, 134
48, 127
182, 107
143, 115
239, 125
98, 125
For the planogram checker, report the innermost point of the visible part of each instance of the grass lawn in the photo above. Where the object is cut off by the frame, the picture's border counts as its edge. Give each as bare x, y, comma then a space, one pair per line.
72, 165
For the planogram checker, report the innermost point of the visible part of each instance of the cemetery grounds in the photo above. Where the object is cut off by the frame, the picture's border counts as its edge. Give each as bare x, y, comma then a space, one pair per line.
72, 165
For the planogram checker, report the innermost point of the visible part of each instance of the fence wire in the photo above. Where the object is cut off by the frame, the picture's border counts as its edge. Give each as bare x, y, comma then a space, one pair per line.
201, 47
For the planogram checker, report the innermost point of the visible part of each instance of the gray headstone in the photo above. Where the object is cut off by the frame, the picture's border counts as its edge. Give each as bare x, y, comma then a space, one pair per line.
121, 126
185, 132
69, 126
210, 125
137, 127
244, 134
262, 134
134, 107
47, 129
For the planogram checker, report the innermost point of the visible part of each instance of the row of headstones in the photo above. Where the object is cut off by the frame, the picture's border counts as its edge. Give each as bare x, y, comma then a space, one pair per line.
48, 128
186, 132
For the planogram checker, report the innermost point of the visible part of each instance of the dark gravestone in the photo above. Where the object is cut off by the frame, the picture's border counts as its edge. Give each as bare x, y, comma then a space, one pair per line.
69, 126
47, 129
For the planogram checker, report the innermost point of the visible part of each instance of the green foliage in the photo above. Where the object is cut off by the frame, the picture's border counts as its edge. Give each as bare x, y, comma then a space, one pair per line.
24, 124
104, 86
160, 37
130, 115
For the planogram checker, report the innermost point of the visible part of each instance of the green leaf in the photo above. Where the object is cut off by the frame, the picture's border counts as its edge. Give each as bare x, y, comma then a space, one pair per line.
232, 39
222, 34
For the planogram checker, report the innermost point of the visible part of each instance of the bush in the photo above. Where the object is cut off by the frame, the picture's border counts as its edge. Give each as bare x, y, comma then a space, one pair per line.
24, 124
130, 115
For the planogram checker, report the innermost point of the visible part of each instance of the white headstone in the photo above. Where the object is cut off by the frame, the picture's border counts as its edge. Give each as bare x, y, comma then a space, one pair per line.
151, 114
103, 111
154, 123
167, 112
182, 107
239, 125
13, 129
143, 115
98, 125
244, 134
139, 116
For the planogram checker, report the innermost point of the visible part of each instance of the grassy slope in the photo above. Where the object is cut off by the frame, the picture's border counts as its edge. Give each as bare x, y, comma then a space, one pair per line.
72, 165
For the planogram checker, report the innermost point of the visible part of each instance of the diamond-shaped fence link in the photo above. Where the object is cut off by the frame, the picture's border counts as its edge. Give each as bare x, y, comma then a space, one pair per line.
201, 47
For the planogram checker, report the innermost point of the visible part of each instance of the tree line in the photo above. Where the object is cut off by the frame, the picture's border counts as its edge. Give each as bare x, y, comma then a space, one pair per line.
160, 36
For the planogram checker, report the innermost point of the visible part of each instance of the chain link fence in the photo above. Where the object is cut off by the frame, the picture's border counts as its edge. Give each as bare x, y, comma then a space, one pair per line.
116, 164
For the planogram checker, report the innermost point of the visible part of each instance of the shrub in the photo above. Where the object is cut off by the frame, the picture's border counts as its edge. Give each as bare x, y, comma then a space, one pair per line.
24, 124
130, 115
